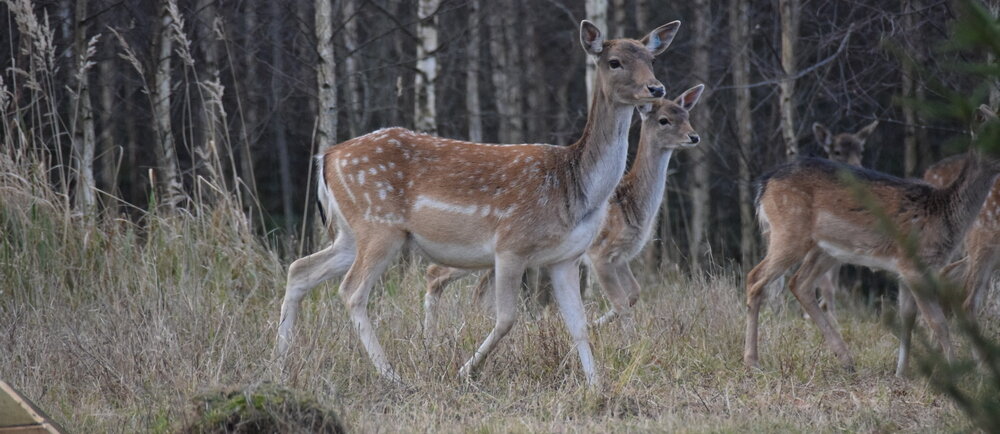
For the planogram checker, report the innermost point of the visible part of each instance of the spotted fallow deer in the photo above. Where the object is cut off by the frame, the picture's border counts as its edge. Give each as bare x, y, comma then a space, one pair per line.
846, 148
813, 215
474, 205
631, 214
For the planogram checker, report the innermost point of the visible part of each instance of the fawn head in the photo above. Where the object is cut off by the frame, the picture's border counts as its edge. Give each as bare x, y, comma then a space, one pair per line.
984, 115
625, 66
666, 123
844, 147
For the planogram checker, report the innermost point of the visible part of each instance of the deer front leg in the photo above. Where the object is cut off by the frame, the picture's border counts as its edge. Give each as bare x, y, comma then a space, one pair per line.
508, 280
608, 277
566, 286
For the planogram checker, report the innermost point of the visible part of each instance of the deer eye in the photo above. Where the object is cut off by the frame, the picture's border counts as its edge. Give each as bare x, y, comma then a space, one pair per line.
614, 64
664, 121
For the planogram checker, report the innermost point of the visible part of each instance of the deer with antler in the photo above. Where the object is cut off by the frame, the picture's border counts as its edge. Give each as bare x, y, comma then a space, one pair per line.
813, 215
632, 213
474, 205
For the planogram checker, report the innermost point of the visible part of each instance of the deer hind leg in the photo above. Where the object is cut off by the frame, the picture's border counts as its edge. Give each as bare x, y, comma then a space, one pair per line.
907, 318
609, 279
508, 281
438, 278
375, 253
780, 257
930, 308
815, 264
828, 286
632, 289
566, 287
978, 274
304, 274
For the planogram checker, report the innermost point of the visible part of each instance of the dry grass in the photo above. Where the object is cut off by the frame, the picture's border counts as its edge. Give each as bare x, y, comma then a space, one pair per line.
118, 328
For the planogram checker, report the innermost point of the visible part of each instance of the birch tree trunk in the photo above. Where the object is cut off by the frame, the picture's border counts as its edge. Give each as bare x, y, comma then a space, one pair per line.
250, 104
505, 72
356, 106
789, 11
739, 39
620, 18
168, 177
909, 114
83, 125
278, 132
597, 13
326, 77
425, 110
472, 104
207, 148
700, 180
110, 151
642, 15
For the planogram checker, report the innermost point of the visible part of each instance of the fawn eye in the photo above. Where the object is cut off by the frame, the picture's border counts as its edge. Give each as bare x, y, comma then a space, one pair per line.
614, 64
664, 121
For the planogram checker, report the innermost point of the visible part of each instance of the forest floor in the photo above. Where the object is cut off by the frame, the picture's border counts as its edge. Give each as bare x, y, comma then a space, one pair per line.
119, 330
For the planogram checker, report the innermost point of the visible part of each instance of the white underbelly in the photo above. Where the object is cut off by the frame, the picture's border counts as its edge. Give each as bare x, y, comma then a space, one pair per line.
858, 257
576, 242
477, 254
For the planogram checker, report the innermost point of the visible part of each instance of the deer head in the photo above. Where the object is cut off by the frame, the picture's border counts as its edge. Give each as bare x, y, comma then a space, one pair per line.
625, 66
844, 147
666, 125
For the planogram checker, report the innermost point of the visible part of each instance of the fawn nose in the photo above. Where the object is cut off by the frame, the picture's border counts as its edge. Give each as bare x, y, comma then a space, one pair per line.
694, 138
656, 91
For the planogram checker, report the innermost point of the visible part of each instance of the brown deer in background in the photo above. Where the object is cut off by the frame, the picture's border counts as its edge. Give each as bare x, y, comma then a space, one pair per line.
473, 205
631, 215
812, 214
846, 148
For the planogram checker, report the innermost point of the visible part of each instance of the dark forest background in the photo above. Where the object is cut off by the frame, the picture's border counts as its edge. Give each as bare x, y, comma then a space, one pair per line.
226, 101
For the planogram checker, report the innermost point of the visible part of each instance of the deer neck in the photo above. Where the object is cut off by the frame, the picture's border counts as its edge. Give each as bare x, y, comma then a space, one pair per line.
597, 160
641, 190
966, 195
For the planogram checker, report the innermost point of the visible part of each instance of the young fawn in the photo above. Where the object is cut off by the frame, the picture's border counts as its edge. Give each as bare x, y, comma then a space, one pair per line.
474, 205
631, 215
812, 214
846, 148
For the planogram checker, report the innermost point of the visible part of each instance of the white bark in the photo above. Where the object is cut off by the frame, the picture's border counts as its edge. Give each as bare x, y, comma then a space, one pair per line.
326, 76
472, 104
171, 189
789, 11
597, 13
83, 126
356, 106
700, 182
425, 110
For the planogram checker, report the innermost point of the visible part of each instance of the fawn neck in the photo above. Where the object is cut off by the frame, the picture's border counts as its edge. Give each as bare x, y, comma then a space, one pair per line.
641, 190
597, 161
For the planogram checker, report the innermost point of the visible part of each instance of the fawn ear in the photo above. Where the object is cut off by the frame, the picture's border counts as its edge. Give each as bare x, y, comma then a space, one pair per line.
690, 97
659, 39
823, 136
591, 38
866, 132
644, 110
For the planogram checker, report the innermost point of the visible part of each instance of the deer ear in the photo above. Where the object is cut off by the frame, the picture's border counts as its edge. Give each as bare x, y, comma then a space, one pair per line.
866, 132
985, 114
591, 38
690, 97
644, 110
658, 40
822, 136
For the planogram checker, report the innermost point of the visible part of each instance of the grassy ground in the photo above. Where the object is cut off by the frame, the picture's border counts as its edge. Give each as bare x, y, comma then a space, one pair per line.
110, 328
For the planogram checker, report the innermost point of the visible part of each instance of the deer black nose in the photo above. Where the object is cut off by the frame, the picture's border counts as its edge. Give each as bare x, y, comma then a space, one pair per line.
694, 138
656, 91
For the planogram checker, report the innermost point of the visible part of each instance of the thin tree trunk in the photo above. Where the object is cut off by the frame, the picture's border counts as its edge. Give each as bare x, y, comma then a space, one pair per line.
250, 103
534, 113
909, 114
642, 15
356, 107
425, 108
171, 188
326, 76
700, 179
789, 11
739, 35
472, 104
83, 125
110, 151
514, 69
620, 18
279, 134
207, 149
597, 13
